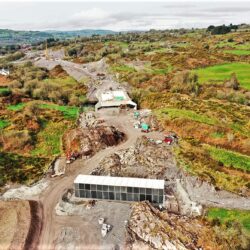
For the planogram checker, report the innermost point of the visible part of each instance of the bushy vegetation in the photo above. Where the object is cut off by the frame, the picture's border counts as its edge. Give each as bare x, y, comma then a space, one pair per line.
21, 169
221, 29
49, 139
231, 226
11, 57
225, 216
38, 106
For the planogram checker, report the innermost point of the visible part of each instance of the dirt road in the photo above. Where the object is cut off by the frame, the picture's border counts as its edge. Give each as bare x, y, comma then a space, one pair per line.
51, 196
56, 228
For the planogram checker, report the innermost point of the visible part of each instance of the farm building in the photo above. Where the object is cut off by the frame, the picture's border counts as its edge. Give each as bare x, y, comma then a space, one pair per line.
114, 98
119, 188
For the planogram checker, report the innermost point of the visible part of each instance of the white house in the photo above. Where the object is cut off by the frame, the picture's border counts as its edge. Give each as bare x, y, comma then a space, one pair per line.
4, 72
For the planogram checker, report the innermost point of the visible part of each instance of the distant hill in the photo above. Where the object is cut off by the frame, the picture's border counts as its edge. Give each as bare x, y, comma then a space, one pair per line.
9, 37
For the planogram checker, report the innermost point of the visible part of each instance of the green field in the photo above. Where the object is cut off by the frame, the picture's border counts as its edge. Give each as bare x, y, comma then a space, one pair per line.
49, 140
238, 52
4, 91
224, 215
3, 123
229, 158
187, 114
221, 72
69, 112
16, 107
234, 45
124, 45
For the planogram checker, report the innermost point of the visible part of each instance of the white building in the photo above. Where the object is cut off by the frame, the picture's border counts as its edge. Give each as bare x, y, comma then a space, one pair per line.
114, 98
4, 72
119, 188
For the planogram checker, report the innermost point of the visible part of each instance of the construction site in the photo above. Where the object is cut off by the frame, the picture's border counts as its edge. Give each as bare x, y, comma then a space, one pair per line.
118, 185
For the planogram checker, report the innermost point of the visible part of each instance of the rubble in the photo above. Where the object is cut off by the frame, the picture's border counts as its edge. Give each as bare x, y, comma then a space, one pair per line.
25, 192
144, 159
188, 207
88, 141
163, 230
70, 205
58, 167
68, 239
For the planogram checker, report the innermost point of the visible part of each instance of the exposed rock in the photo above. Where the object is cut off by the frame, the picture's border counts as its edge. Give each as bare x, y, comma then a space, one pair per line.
58, 167
88, 141
24, 192
68, 239
144, 159
71, 205
162, 230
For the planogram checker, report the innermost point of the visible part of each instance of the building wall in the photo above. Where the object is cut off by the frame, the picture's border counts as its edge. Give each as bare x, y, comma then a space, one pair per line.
118, 193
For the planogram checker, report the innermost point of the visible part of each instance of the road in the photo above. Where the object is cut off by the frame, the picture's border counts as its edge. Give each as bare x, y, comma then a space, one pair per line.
57, 187
52, 223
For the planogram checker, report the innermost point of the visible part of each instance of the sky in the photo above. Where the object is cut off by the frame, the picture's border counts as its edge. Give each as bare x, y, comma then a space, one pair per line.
120, 15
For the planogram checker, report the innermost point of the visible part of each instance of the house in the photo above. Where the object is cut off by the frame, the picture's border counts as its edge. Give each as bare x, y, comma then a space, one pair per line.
4, 72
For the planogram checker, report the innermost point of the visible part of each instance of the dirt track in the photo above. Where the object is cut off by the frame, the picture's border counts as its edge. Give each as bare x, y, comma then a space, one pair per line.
56, 228
49, 199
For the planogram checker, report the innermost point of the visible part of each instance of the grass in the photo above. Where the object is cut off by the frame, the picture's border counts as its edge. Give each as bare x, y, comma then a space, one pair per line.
160, 50
16, 107
218, 135
69, 112
194, 157
224, 215
124, 45
234, 45
4, 91
162, 71
123, 68
187, 114
4, 123
221, 72
49, 139
64, 82
229, 158
238, 52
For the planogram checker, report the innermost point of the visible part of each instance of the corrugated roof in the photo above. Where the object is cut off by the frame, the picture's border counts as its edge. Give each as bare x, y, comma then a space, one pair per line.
120, 181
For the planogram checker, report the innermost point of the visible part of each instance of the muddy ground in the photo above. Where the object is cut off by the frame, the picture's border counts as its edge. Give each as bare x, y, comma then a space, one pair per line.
21, 223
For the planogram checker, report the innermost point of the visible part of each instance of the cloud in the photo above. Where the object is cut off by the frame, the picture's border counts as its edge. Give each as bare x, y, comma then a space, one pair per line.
122, 16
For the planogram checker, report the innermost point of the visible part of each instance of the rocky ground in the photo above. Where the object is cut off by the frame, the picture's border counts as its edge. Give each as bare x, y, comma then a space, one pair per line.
163, 230
24, 192
88, 141
144, 159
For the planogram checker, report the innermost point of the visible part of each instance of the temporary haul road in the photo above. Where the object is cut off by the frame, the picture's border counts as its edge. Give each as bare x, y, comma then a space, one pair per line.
51, 196
86, 235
